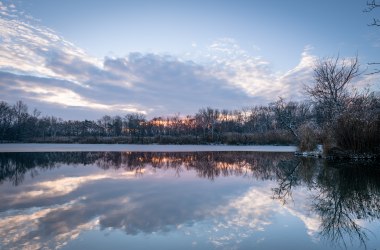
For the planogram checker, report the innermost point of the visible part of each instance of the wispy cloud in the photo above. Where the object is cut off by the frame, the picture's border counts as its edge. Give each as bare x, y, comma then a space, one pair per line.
255, 75
59, 92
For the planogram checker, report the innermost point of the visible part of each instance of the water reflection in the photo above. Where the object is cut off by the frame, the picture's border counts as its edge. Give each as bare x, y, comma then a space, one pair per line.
50, 199
207, 165
346, 193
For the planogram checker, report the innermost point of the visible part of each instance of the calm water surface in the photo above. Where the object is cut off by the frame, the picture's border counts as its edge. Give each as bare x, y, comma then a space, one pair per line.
179, 200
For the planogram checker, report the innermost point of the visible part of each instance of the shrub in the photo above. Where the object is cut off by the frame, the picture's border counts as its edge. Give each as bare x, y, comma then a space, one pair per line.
357, 135
278, 137
307, 133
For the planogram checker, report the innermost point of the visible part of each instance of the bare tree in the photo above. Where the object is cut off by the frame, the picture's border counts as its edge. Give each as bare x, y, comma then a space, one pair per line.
370, 6
286, 115
331, 77
208, 118
6, 119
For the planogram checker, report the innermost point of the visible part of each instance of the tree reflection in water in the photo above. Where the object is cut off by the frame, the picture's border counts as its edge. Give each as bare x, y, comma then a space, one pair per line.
206, 164
343, 193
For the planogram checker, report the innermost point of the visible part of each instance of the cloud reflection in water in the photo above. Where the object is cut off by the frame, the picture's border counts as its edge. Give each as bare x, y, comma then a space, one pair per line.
225, 198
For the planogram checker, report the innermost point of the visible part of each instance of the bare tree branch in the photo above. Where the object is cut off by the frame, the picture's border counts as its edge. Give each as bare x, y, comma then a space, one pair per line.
375, 22
375, 71
331, 77
371, 5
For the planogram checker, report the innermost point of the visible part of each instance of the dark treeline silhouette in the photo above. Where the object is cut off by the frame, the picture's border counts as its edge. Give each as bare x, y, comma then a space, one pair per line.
255, 125
342, 193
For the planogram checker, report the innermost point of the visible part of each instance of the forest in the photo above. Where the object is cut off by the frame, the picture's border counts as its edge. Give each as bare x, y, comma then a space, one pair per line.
333, 114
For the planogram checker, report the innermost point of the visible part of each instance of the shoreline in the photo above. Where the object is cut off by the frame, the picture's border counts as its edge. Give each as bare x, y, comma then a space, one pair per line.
52, 147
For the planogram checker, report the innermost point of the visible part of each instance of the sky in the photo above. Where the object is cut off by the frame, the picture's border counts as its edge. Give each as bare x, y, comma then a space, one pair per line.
84, 59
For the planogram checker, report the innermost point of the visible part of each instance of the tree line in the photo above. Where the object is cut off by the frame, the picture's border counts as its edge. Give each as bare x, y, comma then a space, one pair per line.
208, 125
334, 115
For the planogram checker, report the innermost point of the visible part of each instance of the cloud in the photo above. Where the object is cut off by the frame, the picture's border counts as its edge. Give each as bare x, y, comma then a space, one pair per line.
24, 231
42, 68
301, 208
38, 65
59, 92
295, 79
243, 217
253, 74
25, 47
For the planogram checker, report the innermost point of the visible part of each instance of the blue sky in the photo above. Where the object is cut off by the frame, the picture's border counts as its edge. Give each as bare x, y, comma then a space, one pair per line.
82, 59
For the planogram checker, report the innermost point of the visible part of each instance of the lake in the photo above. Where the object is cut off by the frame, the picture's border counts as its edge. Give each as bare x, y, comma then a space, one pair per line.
186, 200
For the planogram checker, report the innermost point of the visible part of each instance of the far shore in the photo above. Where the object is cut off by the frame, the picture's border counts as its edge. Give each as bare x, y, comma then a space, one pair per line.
51, 147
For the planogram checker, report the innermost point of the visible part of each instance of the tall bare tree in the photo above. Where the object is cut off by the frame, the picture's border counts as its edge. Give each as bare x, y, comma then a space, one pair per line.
331, 79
